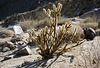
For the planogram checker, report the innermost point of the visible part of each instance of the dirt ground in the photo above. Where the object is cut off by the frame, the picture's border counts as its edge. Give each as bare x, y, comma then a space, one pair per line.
70, 59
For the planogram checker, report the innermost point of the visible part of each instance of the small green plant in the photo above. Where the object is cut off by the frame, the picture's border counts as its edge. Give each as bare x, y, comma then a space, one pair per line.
99, 24
48, 40
88, 20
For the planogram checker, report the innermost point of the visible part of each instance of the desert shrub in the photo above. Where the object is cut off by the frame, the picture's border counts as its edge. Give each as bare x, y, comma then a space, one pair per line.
43, 23
63, 20
92, 25
46, 22
29, 24
8, 32
99, 24
88, 20
39, 15
1, 28
79, 33
48, 40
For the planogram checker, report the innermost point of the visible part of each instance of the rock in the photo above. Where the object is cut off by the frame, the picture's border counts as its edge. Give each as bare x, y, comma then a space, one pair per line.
24, 51
5, 49
89, 33
98, 32
7, 57
19, 43
21, 37
22, 46
16, 38
2, 35
24, 37
25, 63
75, 20
9, 45
17, 29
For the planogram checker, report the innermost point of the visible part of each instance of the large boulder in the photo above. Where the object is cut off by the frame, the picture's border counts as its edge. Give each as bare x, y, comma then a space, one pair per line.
89, 33
17, 29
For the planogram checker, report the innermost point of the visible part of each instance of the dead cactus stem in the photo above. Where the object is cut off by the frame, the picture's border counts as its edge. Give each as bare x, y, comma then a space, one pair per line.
48, 40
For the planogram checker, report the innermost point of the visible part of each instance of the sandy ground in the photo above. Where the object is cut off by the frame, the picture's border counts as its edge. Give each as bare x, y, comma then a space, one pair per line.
70, 59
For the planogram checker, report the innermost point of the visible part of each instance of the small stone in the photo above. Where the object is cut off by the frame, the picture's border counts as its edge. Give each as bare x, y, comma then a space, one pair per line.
25, 63
24, 51
9, 45
22, 46
5, 49
7, 57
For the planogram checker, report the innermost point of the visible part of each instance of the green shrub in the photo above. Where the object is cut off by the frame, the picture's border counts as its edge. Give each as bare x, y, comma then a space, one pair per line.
88, 20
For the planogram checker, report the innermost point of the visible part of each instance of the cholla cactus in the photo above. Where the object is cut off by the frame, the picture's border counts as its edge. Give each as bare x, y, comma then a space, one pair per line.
48, 40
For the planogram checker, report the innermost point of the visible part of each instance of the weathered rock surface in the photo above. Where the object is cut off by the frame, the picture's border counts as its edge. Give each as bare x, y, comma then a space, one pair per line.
17, 29
22, 37
5, 49
24, 51
9, 45
21, 46
7, 57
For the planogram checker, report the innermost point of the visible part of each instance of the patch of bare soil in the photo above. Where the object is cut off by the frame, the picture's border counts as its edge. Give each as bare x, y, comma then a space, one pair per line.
85, 55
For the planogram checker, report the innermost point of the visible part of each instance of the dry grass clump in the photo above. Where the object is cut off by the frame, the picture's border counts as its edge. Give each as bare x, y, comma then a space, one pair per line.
8, 32
92, 25
99, 24
62, 20
48, 40
79, 33
29, 24
39, 15
1, 28
44, 22
88, 20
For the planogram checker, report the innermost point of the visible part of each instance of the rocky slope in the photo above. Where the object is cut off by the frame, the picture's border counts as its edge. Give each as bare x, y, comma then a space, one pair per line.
27, 9
9, 7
